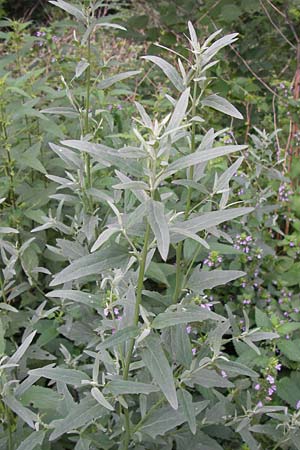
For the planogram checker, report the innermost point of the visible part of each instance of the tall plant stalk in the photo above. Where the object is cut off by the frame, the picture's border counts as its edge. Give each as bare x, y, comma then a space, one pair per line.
178, 282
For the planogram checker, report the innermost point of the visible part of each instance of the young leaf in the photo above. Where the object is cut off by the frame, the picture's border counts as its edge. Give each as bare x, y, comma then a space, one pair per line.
104, 237
156, 362
15, 358
159, 225
179, 111
170, 72
24, 413
76, 296
221, 104
99, 397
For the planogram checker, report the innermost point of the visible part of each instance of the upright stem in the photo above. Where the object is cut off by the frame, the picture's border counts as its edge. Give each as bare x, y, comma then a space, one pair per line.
87, 107
178, 285
140, 283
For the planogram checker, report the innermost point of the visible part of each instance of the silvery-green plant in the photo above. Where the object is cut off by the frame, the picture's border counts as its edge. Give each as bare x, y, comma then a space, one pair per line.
149, 368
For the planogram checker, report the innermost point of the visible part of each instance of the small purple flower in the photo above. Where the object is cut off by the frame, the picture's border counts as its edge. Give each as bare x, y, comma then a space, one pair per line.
270, 391
298, 405
278, 367
270, 379
106, 312
296, 310
224, 374
110, 107
287, 337
188, 329
259, 405
55, 38
116, 311
257, 387
194, 351
119, 107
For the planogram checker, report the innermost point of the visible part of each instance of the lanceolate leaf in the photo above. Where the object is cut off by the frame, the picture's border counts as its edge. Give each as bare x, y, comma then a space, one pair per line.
186, 315
159, 225
119, 337
81, 415
99, 397
104, 84
68, 376
221, 104
170, 72
71, 9
186, 402
32, 441
121, 387
156, 362
201, 280
104, 237
76, 296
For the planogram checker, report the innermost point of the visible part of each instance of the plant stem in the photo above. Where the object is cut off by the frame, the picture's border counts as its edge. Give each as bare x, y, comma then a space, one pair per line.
178, 284
140, 283
87, 107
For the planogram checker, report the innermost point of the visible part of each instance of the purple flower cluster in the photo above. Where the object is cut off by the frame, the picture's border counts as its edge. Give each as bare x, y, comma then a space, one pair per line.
213, 259
243, 242
284, 192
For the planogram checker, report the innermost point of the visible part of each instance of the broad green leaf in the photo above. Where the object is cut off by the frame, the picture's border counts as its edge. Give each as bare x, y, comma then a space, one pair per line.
221, 104
201, 280
159, 225
41, 398
186, 234
119, 337
32, 441
104, 84
81, 415
290, 348
99, 397
156, 362
69, 8
170, 72
288, 388
261, 319
68, 376
188, 408
122, 387
234, 367
91, 300
104, 237
185, 315
289, 327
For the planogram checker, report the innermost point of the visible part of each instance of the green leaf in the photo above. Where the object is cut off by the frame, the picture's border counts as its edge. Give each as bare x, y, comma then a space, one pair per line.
104, 237
262, 320
32, 441
41, 398
207, 378
81, 68
185, 315
159, 225
80, 415
234, 367
76, 296
201, 280
156, 362
221, 104
179, 111
186, 402
290, 348
170, 72
166, 419
69, 8
181, 346
99, 397
122, 387
95, 263
68, 376
287, 328
201, 156
24, 413
288, 388
119, 337
108, 82
2, 338
15, 358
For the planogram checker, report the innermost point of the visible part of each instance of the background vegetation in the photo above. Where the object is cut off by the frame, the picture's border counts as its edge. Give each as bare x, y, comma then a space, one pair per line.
149, 234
